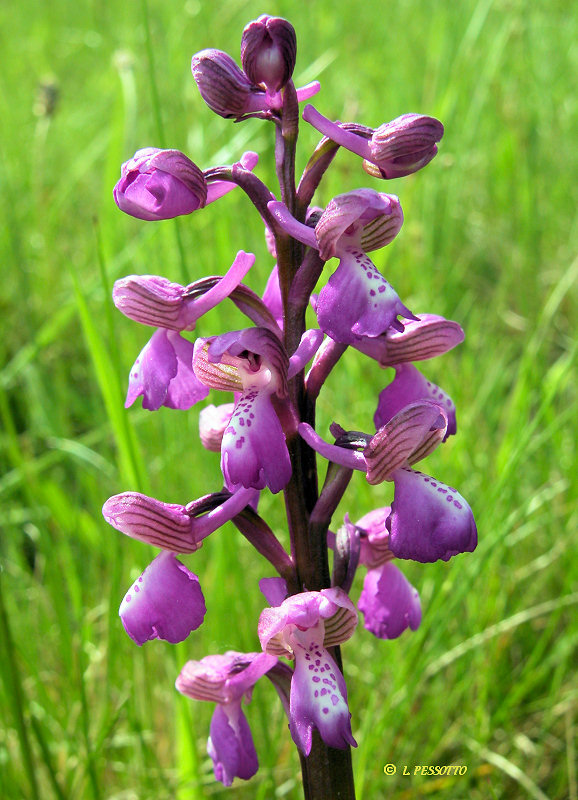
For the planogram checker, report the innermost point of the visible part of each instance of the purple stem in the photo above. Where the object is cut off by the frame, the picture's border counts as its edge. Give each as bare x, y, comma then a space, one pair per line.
337, 133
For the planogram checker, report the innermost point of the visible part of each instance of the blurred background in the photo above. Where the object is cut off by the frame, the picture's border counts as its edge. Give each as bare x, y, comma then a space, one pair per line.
490, 239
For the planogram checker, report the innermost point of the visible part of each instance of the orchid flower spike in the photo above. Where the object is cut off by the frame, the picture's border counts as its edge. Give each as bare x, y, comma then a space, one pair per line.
357, 301
227, 680
395, 149
253, 363
302, 627
428, 520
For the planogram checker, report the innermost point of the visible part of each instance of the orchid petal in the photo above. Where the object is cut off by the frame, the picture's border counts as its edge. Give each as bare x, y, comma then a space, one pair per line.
389, 603
166, 602
429, 520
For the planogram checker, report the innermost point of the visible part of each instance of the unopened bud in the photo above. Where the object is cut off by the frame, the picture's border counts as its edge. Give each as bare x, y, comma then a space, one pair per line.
268, 52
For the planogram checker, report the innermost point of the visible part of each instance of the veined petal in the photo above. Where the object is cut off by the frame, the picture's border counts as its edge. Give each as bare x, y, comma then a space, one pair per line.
424, 337
185, 389
374, 538
223, 678
150, 300
223, 375
389, 603
304, 610
429, 520
318, 694
395, 443
166, 602
165, 525
348, 214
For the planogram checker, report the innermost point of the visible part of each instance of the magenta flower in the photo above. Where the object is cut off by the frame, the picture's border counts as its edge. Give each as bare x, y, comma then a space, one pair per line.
428, 520
253, 363
388, 601
163, 372
357, 301
160, 184
302, 628
170, 526
227, 680
393, 150
166, 602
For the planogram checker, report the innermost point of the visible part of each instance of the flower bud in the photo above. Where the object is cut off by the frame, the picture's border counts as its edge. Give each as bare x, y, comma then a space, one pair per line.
223, 86
268, 52
160, 184
403, 146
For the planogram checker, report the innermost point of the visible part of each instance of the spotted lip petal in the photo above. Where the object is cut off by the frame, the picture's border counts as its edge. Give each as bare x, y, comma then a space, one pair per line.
428, 520
318, 694
357, 300
166, 602
253, 450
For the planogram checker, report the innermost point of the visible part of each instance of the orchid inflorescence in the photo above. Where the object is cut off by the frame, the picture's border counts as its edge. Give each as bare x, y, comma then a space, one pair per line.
266, 436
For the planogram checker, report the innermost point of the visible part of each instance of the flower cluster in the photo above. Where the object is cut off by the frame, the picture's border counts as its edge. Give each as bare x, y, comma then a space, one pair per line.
265, 430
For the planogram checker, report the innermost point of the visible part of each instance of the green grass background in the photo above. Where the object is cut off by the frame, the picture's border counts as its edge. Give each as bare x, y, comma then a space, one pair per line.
490, 240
